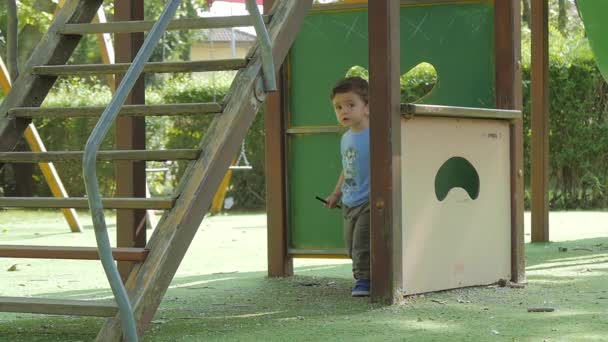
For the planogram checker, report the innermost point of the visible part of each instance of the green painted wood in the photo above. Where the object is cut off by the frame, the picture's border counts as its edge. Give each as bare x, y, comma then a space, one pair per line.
58, 306
313, 172
58, 156
593, 13
146, 25
127, 110
152, 67
82, 202
456, 38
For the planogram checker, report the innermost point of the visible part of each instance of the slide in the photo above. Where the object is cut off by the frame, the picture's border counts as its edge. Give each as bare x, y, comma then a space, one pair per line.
594, 14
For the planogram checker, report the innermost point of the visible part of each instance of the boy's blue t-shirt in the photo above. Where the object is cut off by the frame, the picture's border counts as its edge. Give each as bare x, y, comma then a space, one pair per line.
355, 165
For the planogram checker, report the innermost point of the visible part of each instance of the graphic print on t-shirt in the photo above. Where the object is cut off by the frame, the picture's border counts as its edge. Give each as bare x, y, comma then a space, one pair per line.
350, 170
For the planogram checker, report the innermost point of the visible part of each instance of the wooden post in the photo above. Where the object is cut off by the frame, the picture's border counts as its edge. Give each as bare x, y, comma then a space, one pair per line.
507, 28
130, 135
385, 151
280, 264
540, 121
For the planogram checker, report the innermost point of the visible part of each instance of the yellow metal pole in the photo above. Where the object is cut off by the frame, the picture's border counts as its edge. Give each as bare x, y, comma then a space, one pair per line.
218, 200
51, 176
5, 81
48, 169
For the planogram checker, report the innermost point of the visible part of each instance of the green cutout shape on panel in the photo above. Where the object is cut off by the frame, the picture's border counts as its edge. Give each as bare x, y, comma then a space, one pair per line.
456, 172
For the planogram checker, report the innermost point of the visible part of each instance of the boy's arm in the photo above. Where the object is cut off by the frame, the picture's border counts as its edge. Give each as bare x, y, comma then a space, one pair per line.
334, 198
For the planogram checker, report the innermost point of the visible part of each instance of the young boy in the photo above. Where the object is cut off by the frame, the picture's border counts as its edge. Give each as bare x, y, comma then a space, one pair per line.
350, 100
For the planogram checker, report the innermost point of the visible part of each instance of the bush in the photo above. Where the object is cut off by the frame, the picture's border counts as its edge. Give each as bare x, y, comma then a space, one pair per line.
578, 135
248, 187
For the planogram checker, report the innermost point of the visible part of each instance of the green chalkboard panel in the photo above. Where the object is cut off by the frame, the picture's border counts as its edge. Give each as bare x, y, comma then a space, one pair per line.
314, 173
457, 39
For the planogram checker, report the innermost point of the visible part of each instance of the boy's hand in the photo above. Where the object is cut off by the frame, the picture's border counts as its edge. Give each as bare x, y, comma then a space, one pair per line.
332, 200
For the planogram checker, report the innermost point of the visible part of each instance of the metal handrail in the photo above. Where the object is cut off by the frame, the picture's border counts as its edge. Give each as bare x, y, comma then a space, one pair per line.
129, 326
270, 83
12, 48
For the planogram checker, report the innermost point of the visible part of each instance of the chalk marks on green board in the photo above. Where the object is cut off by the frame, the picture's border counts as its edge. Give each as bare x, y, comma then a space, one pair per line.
417, 27
352, 28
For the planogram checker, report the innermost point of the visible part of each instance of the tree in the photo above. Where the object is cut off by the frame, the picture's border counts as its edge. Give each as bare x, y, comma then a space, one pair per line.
562, 17
525, 17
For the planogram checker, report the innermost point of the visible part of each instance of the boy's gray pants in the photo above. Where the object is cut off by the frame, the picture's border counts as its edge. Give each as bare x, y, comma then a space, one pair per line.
356, 236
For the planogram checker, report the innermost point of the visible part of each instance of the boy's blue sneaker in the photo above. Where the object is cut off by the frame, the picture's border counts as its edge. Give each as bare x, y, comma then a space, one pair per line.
361, 288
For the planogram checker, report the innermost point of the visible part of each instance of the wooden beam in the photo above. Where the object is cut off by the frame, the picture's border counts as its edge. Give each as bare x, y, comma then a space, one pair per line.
410, 109
132, 155
146, 25
347, 5
507, 29
385, 152
280, 263
149, 281
152, 67
58, 306
126, 110
82, 202
130, 134
540, 121
65, 252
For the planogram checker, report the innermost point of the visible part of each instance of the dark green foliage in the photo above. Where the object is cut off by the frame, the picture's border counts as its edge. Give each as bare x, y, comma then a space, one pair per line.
71, 134
578, 140
248, 187
578, 135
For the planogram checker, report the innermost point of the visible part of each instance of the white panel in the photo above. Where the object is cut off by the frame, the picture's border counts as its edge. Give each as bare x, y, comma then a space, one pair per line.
456, 242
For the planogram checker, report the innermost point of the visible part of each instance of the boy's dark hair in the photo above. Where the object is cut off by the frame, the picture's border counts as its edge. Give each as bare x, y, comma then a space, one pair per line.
355, 84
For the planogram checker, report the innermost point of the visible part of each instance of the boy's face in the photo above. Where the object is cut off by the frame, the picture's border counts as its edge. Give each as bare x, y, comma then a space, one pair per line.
351, 111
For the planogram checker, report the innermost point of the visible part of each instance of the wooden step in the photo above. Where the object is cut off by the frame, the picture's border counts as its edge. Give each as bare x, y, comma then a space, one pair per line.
153, 67
127, 110
58, 306
136, 155
65, 252
82, 202
146, 25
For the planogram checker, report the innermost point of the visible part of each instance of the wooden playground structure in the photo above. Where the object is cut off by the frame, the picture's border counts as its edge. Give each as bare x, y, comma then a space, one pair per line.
478, 76
475, 162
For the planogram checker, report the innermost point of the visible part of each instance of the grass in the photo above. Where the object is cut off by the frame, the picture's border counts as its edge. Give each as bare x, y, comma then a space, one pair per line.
221, 293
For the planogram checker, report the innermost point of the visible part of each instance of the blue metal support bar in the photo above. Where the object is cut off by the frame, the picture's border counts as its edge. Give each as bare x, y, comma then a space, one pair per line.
270, 80
129, 326
12, 41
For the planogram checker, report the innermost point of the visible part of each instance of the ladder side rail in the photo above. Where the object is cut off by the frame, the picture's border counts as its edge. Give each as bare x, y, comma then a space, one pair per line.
106, 120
